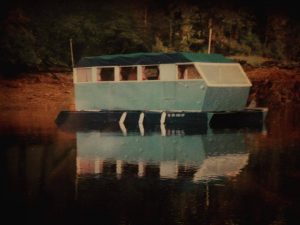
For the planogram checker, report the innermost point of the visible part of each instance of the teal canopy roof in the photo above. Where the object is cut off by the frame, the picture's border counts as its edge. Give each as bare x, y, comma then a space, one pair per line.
150, 59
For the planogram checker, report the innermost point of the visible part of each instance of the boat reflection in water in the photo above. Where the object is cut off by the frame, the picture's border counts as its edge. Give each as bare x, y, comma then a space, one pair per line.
195, 155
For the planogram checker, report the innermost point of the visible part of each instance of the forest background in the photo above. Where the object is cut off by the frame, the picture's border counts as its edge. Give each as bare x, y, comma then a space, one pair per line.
35, 35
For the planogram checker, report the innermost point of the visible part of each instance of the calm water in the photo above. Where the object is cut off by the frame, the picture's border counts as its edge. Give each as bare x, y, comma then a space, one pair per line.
109, 175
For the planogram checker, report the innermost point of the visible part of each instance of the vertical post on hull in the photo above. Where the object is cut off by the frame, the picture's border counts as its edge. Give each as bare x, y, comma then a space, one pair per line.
163, 118
141, 126
121, 123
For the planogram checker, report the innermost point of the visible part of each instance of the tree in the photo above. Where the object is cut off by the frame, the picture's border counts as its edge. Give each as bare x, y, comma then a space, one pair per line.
17, 46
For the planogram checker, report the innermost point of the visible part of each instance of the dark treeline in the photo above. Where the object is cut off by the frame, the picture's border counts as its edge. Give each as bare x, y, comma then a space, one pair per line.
34, 35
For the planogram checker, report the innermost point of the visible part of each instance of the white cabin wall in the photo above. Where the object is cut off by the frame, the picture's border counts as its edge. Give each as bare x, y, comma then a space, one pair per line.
139, 73
117, 73
168, 72
94, 74
74, 75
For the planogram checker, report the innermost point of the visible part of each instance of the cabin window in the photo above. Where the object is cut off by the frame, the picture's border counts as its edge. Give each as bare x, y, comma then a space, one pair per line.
84, 75
105, 74
186, 72
150, 73
128, 73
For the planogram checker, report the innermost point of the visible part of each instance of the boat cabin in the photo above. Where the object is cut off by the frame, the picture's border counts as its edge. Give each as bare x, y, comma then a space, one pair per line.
160, 81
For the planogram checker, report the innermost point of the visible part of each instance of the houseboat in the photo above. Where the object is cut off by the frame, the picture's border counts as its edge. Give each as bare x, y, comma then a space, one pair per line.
162, 88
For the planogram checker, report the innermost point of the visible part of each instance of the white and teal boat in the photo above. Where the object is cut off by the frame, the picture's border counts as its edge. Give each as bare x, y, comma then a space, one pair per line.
162, 87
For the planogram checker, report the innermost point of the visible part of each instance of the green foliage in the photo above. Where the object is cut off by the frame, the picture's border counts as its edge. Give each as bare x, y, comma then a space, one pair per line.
119, 35
37, 36
159, 46
276, 34
17, 43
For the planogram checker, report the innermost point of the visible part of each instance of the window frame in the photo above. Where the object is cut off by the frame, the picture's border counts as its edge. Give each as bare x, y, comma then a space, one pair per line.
83, 68
147, 80
105, 67
187, 64
120, 75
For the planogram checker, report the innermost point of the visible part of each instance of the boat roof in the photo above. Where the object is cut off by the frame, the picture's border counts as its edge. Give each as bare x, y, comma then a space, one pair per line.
150, 59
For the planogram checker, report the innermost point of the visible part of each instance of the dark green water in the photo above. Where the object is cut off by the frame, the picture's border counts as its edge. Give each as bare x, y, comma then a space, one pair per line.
158, 176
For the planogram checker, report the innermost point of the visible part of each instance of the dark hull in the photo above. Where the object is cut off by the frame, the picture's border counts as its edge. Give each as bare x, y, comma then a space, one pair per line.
200, 121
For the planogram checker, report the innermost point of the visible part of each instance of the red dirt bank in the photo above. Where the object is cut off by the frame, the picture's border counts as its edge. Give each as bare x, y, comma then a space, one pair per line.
37, 91
274, 87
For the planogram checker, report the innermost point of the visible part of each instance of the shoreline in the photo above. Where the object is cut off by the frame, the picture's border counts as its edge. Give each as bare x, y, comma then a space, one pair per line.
33, 101
272, 87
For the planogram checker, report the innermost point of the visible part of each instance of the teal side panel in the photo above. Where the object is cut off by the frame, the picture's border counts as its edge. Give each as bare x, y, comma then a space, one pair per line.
161, 95
190, 95
225, 98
